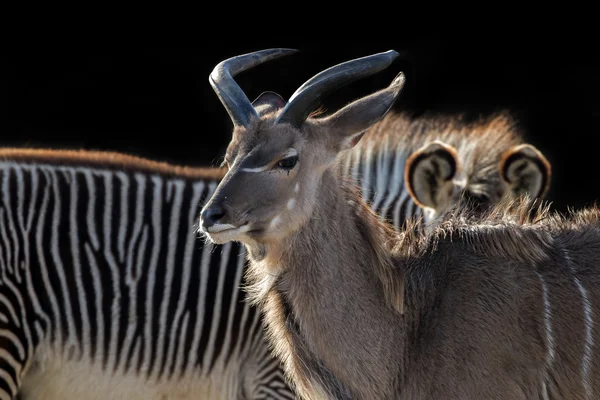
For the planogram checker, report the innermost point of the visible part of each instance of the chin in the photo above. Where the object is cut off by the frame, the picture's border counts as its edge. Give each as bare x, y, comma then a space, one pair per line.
218, 238
218, 234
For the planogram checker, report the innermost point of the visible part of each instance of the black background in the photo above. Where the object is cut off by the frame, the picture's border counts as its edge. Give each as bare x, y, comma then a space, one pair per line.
157, 102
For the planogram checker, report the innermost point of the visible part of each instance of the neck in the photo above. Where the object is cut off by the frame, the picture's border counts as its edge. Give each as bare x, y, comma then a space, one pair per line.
329, 288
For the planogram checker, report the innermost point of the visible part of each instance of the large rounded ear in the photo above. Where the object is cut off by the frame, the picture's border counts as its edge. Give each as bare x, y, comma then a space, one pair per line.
268, 102
526, 171
349, 124
428, 174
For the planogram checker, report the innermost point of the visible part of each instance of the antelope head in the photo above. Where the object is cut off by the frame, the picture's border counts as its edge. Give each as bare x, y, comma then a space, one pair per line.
278, 153
431, 178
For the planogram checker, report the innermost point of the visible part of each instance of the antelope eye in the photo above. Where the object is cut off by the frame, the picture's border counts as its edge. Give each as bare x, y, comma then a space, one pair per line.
288, 162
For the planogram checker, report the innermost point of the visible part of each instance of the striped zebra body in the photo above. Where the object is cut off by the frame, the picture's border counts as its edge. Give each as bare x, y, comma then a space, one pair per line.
106, 288
380, 178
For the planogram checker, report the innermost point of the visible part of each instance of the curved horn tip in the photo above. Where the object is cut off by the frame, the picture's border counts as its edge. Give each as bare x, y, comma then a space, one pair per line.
399, 80
392, 53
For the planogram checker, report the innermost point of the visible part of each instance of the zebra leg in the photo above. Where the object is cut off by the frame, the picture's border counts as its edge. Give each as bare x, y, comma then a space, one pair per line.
15, 348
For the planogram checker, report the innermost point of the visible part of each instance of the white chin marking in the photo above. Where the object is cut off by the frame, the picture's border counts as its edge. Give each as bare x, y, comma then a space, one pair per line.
220, 227
297, 188
291, 203
226, 234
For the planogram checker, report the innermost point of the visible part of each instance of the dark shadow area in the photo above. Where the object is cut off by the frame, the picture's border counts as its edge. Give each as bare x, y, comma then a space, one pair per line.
157, 102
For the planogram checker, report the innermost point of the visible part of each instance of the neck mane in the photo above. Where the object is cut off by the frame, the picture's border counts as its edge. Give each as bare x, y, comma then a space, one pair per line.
341, 220
333, 278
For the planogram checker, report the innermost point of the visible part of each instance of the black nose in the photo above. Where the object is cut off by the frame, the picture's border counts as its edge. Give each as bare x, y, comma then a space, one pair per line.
212, 215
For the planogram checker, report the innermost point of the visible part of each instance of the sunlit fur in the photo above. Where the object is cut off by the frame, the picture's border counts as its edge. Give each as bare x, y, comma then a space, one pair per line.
481, 146
492, 305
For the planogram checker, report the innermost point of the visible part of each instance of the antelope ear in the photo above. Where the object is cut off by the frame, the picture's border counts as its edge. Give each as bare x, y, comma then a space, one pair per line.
268, 102
526, 171
349, 124
428, 174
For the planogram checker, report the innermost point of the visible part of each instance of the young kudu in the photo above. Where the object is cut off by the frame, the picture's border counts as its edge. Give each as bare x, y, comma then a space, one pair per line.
493, 308
437, 161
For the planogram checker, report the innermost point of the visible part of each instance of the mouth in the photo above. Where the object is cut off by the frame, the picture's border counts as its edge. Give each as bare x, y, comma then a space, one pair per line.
223, 233
218, 228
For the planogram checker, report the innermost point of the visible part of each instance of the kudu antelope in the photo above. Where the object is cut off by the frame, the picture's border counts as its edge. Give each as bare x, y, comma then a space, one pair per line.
494, 309
407, 166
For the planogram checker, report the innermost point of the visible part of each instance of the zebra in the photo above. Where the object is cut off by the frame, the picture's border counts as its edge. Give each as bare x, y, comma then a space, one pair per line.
105, 287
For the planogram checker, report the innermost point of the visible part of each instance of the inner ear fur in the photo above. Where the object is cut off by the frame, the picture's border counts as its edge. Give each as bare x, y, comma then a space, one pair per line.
526, 171
268, 102
429, 173
349, 124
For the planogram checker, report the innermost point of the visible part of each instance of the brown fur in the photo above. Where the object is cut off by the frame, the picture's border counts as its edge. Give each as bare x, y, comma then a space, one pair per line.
355, 310
454, 129
298, 349
532, 155
447, 127
491, 264
447, 154
107, 159
482, 149
479, 142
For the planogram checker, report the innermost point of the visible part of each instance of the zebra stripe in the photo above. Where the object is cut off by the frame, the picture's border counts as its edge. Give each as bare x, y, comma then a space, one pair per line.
104, 267
380, 177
